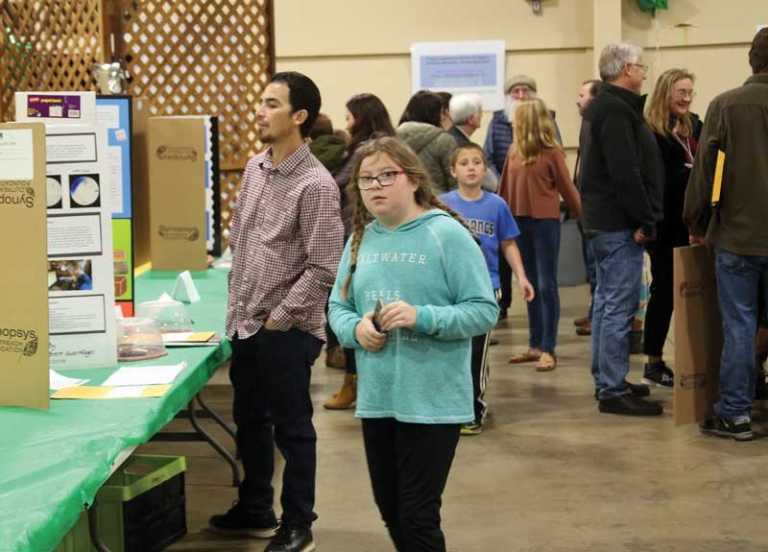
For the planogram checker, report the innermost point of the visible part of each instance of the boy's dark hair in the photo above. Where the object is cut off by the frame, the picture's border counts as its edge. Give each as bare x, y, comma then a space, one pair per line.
303, 94
758, 52
322, 126
467, 147
596, 88
423, 107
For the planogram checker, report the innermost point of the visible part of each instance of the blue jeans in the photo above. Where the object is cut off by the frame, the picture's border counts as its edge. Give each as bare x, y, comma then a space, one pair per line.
619, 262
589, 266
738, 280
539, 244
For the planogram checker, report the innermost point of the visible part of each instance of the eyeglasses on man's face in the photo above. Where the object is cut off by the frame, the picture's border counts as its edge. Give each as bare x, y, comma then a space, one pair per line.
387, 178
642, 66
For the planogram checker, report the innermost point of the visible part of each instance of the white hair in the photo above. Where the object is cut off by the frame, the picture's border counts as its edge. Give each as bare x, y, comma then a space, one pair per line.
463, 106
615, 57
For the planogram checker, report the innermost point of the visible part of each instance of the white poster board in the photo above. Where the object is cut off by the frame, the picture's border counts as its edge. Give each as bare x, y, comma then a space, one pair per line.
475, 67
81, 291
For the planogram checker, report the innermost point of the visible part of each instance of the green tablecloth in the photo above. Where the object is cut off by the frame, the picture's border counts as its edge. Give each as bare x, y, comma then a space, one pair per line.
53, 462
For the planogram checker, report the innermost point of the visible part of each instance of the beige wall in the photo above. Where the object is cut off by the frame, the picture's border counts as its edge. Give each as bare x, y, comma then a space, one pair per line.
352, 47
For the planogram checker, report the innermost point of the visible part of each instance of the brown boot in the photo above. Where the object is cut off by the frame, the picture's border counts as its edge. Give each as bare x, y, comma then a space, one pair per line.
334, 358
346, 396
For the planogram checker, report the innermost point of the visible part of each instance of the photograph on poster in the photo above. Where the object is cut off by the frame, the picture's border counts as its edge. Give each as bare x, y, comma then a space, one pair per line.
71, 148
53, 191
75, 314
70, 235
84, 190
70, 275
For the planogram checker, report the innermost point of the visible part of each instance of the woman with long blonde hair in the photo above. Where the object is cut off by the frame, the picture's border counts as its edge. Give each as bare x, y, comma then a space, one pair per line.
677, 131
533, 179
411, 291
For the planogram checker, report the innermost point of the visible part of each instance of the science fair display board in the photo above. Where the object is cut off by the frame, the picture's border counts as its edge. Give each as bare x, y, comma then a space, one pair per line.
24, 316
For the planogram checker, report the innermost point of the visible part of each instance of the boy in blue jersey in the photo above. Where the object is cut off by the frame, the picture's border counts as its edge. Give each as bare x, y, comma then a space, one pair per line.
490, 219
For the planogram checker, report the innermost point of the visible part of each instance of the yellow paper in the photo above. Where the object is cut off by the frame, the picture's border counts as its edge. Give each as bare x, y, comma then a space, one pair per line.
99, 392
717, 184
201, 336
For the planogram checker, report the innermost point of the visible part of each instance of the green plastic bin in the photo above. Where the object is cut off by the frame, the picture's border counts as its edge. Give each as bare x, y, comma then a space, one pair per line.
141, 508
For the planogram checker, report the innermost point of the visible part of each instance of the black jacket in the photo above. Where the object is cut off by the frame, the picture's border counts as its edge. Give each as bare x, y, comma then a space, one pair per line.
622, 177
672, 231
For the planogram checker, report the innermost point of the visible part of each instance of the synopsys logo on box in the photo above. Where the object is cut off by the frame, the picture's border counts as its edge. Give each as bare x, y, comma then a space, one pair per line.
176, 153
188, 233
17, 340
19, 194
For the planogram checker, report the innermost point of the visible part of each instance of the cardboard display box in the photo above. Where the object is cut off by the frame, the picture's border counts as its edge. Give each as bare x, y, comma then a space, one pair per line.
698, 334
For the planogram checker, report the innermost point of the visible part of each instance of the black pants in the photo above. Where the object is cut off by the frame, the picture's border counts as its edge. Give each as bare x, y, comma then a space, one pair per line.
659, 312
480, 374
505, 280
270, 374
409, 465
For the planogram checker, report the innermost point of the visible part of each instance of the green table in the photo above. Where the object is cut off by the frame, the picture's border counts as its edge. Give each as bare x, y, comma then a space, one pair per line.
53, 462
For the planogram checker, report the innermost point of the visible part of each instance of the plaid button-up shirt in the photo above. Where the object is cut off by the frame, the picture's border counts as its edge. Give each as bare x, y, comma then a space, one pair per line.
286, 238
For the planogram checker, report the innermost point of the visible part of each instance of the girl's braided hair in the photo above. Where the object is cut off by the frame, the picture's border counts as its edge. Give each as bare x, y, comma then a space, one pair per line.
404, 157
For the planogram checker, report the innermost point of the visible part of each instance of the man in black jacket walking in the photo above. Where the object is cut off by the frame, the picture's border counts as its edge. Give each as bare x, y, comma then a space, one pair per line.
622, 184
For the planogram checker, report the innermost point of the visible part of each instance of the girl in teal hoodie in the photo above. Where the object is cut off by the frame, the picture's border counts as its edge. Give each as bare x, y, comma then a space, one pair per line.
411, 253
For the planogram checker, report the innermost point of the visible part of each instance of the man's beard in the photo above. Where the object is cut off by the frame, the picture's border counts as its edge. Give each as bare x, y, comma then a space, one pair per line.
510, 106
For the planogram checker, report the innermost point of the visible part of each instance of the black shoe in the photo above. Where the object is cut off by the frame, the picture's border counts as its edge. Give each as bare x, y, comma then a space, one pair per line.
739, 429
238, 521
658, 373
629, 405
635, 389
493, 342
291, 539
638, 389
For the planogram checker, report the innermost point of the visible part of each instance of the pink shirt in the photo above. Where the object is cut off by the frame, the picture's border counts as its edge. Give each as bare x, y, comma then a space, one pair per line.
286, 238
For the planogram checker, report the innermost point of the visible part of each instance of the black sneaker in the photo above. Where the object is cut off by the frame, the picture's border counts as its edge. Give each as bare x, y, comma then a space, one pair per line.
739, 429
291, 539
658, 373
239, 522
629, 405
635, 389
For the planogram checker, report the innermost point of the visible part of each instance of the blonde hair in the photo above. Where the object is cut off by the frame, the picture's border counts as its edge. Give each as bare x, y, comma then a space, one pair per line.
534, 130
404, 157
658, 114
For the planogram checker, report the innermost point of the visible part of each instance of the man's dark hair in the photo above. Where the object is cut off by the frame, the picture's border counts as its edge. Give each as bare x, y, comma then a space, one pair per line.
758, 53
423, 107
596, 88
303, 94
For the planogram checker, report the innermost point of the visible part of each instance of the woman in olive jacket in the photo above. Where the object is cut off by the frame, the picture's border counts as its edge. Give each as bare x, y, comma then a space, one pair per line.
677, 132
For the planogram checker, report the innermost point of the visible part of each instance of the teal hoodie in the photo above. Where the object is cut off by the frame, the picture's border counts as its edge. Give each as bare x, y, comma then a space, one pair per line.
421, 375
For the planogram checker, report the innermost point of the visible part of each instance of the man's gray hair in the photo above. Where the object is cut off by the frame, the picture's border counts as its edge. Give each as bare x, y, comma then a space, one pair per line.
615, 57
463, 106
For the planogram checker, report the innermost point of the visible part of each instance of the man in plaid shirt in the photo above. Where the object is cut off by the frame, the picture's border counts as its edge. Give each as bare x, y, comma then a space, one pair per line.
286, 240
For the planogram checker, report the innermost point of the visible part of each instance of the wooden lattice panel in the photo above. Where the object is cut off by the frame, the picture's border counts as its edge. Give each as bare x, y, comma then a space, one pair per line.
230, 186
191, 57
48, 45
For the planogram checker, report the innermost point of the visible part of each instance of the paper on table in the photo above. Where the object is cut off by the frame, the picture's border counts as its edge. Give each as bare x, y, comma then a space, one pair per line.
187, 337
57, 381
97, 392
145, 375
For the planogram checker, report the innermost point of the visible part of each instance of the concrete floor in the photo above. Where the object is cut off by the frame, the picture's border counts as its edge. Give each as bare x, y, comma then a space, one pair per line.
549, 473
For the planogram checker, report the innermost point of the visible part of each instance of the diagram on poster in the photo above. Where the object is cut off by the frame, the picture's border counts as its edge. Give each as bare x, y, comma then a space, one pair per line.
81, 288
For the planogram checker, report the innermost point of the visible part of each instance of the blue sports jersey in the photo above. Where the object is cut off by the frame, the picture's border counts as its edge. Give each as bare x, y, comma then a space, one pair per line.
492, 222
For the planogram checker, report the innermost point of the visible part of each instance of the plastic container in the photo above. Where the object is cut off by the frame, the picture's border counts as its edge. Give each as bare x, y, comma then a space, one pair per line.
141, 508
138, 339
168, 314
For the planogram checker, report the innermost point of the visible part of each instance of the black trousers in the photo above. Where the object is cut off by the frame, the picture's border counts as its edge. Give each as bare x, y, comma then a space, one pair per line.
505, 280
270, 373
660, 305
409, 465
480, 375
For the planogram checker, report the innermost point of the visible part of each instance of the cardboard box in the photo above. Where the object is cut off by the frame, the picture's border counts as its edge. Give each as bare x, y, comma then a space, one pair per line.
698, 334
177, 193
24, 279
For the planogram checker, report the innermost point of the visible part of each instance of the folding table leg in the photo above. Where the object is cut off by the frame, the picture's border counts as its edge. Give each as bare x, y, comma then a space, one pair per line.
92, 531
213, 442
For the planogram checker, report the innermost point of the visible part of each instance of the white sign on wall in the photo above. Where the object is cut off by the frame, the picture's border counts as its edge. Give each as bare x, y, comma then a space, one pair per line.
459, 68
